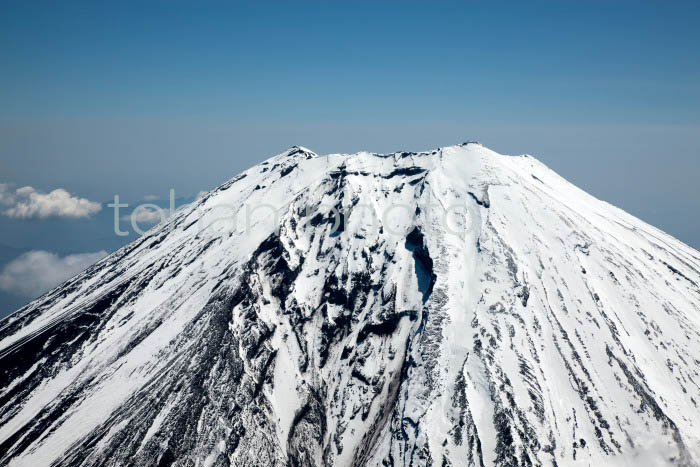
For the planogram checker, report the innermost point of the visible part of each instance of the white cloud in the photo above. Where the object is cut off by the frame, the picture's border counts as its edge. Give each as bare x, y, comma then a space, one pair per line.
38, 271
147, 214
28, 203
6, 195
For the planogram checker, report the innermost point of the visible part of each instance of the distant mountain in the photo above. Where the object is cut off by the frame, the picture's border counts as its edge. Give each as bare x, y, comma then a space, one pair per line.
455, 307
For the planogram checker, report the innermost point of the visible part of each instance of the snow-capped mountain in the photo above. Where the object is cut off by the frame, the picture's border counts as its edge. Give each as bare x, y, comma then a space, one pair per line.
455, 307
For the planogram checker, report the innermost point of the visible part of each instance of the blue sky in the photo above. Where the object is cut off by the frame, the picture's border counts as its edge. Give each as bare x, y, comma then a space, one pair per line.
607, 62
136, 98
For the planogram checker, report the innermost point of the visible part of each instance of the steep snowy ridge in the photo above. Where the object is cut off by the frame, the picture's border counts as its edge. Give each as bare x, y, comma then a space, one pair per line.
455, 307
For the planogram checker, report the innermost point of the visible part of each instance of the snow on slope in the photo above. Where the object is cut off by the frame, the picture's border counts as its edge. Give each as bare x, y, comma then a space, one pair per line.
453, 307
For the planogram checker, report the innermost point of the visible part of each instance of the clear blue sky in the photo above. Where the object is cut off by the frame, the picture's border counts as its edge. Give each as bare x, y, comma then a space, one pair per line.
137, 97
579, 62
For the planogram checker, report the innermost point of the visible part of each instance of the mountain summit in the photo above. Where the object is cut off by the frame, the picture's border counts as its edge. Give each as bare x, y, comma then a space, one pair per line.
454, 307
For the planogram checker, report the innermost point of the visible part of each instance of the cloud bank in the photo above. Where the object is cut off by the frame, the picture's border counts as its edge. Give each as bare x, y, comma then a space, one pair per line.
38, 271
28, 203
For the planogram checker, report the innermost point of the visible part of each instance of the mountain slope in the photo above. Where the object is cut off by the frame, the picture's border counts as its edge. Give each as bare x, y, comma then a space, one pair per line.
454, 307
